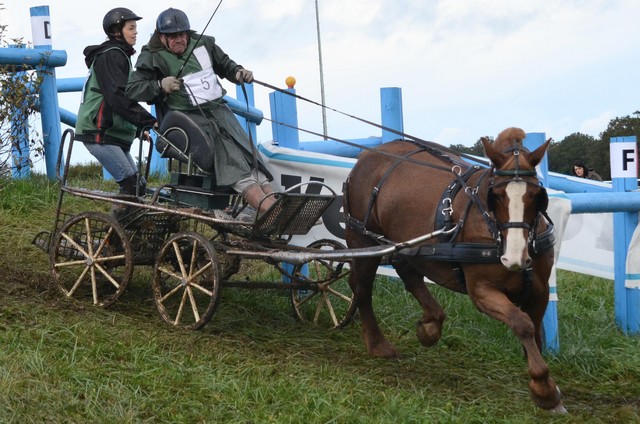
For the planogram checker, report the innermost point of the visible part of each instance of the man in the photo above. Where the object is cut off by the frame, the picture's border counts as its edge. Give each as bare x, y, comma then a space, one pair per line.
179, 71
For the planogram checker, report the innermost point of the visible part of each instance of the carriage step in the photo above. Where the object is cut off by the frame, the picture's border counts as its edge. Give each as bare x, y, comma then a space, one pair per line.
42, 240
292, 214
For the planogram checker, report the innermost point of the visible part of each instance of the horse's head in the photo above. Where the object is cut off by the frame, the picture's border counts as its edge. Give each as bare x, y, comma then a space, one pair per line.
515, 195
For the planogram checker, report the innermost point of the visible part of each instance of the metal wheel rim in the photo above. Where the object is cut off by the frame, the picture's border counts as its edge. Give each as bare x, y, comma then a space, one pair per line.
186, 282
94, 246
335, 301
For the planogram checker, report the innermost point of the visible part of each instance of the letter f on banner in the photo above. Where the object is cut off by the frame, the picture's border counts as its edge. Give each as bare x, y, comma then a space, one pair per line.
624, 159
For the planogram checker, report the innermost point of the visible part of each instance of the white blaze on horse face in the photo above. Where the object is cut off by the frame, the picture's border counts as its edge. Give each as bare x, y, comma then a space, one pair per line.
516, 254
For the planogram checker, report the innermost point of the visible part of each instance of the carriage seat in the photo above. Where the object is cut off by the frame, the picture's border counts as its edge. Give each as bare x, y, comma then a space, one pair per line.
183, 138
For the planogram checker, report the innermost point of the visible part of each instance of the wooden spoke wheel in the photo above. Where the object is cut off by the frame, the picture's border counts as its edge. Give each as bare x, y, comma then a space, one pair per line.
186, 281
329, 302
91, 259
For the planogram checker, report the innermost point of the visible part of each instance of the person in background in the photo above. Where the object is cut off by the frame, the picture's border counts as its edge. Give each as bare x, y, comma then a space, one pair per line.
581, 170
173, 51
108, 121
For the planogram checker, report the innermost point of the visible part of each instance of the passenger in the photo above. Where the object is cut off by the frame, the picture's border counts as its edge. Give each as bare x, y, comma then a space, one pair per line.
174, 48
581, 170
108, 122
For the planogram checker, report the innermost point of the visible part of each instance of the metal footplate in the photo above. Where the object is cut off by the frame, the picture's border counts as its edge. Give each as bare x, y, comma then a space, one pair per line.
292, 214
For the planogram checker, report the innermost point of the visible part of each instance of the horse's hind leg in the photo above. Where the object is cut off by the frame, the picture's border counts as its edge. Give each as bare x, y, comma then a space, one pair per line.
430, 325
494, 303
363, 274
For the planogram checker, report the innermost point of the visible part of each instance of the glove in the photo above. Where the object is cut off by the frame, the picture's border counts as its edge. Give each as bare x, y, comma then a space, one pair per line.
244, 75
170, 84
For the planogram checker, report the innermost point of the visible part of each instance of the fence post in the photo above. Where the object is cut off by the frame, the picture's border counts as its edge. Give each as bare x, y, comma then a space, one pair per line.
550, 320
49, 112
624, 173
284, 111
249, 126
391, 111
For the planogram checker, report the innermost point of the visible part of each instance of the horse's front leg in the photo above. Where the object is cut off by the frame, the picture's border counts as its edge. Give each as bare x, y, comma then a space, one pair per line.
429, 328
494, 303
361, 279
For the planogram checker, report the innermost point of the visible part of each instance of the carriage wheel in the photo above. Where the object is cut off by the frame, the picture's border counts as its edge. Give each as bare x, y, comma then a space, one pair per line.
186, 281
91, 258
330, 304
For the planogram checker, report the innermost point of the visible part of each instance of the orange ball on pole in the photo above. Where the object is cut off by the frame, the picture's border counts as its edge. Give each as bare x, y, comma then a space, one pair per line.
290, 81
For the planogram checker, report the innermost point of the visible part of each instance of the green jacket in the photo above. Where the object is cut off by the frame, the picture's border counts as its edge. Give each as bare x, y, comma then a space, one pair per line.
155, 62
233, 153
105, 115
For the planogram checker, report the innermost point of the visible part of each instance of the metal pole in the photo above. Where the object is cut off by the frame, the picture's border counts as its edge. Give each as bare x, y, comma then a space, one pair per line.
324, 111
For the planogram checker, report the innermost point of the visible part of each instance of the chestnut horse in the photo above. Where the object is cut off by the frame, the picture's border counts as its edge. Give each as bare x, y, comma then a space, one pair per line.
499, 247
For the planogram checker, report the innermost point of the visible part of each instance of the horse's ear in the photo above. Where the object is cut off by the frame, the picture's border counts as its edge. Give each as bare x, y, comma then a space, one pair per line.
536, 156
497, 158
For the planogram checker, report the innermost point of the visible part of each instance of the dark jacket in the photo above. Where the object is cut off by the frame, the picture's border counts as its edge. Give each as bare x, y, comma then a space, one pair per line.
105, 115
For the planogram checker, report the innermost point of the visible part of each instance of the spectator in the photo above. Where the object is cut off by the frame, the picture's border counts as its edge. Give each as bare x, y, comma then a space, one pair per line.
581, 170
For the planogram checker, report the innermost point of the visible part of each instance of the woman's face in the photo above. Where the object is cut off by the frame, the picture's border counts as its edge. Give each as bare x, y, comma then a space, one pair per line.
579, 171
130, 32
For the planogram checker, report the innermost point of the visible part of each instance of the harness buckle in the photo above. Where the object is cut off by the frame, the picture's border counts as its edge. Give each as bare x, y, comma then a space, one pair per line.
447, 210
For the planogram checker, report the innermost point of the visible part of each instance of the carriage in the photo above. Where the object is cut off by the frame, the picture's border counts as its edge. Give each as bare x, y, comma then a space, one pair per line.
195, 251
478, 230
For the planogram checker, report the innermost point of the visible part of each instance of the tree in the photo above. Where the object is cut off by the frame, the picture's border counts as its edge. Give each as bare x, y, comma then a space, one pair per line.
18, 85
575, 146
477, 149
618, 127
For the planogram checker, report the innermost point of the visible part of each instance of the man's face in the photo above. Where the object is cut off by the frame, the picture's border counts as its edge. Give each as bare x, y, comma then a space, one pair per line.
175, 43
579, 171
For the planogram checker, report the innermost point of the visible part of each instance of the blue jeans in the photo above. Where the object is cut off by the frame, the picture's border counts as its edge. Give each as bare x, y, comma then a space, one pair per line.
117, 162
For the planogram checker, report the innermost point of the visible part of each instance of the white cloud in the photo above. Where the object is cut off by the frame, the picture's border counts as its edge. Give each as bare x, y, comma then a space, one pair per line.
467, 69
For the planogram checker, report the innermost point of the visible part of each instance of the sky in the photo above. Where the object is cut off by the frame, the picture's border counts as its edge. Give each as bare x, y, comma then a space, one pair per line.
467, 69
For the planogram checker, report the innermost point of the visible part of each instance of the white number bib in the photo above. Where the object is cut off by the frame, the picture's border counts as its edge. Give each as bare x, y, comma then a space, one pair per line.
202, 86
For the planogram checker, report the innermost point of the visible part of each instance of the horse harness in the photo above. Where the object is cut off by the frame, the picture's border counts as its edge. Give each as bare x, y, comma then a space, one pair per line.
448, 249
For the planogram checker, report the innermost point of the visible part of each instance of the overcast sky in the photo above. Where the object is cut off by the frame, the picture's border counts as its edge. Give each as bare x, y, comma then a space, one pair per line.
466, 68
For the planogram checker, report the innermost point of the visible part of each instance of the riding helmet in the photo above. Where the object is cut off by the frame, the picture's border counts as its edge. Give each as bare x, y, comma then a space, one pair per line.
172, 21
118, 17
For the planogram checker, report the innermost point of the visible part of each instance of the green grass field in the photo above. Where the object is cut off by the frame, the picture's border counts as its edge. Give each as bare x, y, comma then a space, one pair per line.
253, 363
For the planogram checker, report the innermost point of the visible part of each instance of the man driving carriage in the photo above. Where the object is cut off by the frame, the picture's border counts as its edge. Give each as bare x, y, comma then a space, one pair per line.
178, 70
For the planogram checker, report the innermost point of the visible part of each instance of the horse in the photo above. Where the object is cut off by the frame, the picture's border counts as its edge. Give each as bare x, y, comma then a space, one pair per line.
497, 247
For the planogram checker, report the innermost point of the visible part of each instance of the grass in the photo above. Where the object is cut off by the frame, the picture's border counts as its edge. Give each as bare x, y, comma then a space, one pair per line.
253, 363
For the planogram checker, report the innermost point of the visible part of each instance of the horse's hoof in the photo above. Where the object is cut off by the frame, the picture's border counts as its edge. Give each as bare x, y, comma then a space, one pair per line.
386, 351
552, 403
429, 333
558, 409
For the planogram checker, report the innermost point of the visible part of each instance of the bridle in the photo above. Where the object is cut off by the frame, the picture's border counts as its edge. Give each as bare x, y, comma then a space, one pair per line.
527, 176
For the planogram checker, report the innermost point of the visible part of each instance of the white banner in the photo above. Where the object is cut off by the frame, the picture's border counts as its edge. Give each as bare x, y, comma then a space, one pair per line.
291, 167
632, 277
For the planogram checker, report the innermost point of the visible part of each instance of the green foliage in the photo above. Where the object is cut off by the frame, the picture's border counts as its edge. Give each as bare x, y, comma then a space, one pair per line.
477, 149
18, 104
575, 146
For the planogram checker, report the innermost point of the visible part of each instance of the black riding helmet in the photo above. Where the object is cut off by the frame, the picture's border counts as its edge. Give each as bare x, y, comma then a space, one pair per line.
116, 18
172, 21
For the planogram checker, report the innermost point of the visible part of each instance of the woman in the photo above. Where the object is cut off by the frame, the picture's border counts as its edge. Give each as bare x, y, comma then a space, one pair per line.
580, 170
108, 122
